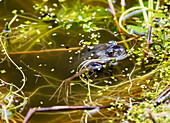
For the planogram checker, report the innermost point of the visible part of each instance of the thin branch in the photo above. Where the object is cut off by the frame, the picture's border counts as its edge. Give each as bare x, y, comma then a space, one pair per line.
60, 108
119, 42
112, 10
42, 51
61, 49
148, 40
160, 98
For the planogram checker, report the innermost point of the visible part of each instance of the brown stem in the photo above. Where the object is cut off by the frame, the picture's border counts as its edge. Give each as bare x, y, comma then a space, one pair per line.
77, 74
73, 77
60, 108
148, 40
114, 16
66, 81
61, 49
157, 100
43, 51
147, 46
119, 42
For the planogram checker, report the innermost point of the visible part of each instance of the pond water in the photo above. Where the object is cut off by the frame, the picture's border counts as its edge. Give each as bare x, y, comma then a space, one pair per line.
47, 70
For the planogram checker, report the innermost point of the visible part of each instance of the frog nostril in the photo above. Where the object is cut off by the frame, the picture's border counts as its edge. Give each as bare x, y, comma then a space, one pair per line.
111, 43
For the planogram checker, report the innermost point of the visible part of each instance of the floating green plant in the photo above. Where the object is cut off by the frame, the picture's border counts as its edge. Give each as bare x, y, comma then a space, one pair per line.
130, 92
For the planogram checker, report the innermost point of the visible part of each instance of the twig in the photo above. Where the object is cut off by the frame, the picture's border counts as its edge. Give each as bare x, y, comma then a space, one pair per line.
43, 51
66, 81
61, 49
60, 108
114, 15
163, 96
119, 42
148, 40
57, 90
117, 22
147, 46
77, 74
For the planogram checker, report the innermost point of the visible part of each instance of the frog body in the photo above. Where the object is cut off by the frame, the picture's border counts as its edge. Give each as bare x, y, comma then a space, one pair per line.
110, 49
103, 54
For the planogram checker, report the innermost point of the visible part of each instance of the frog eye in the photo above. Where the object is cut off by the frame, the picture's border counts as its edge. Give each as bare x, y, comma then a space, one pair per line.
110, 52
118, 50
96, 66
115, 51
117, 47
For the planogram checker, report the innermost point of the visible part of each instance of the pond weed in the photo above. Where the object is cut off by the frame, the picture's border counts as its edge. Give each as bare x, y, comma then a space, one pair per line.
136, 86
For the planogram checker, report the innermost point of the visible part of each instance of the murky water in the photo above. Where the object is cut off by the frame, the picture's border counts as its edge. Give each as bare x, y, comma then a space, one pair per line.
47, 70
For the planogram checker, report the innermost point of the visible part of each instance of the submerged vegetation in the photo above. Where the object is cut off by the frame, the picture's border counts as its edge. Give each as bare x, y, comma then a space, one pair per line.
103, 57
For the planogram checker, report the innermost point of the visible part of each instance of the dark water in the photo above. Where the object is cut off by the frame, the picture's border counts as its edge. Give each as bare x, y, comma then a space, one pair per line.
47, 70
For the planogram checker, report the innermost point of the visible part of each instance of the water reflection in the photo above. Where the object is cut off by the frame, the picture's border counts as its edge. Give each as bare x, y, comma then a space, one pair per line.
45, 71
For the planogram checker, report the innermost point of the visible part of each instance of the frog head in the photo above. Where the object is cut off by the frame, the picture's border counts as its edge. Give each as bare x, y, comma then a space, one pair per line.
110, 49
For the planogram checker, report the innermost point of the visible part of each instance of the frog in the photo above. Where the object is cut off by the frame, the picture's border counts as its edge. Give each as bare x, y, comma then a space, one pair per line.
96, 58
103, 54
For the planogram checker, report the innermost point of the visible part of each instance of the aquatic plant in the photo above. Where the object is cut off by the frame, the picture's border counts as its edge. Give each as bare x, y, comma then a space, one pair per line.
12, 102
132, 94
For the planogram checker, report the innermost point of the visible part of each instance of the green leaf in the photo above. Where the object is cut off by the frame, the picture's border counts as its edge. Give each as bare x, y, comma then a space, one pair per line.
137, 28
100, 10
159, 15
